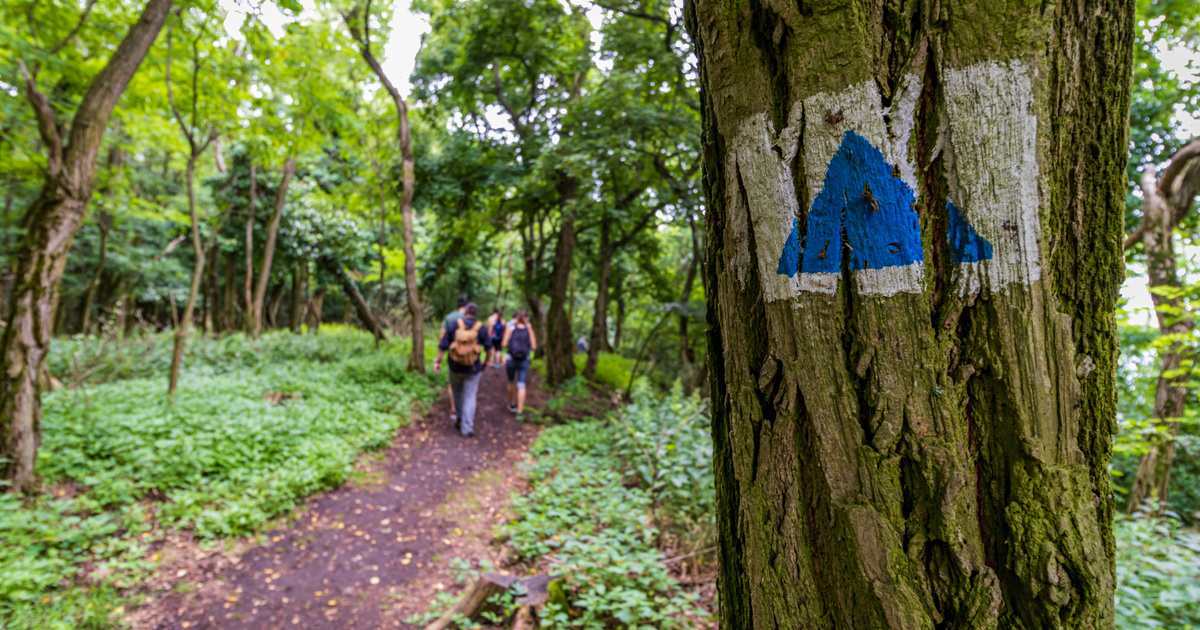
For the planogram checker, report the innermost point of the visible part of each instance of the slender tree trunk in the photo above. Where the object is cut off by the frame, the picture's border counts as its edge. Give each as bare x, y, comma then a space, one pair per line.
687, 356
229, 297
382, 243
264, 274
299, 284
350, 289
50, 226
1164, 204
913, 233
416, 359
212, 298
274, 303
620, 328
251, 314
185, 321
560, 361
105, 222
314, 311
599, 336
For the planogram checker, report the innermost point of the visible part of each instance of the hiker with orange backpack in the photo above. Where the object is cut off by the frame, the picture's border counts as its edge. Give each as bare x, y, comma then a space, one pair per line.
467, 341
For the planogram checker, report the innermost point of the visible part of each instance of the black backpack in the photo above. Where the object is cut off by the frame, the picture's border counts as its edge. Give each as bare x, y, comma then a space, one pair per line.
518, 344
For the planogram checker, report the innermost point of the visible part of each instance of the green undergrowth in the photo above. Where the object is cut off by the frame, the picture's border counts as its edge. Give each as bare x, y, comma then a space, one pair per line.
607, 498
1158, 573
255, 428
612, 370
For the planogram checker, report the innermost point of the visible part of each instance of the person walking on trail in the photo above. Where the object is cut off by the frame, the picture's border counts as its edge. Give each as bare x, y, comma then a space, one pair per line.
495, 326
448, 324
467, 342
520, 342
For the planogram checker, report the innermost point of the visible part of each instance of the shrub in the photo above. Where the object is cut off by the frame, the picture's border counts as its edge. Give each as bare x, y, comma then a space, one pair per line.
599, 530
1158, 573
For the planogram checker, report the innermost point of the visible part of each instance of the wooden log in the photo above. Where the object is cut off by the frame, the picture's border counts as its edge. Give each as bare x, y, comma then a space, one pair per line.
475, 601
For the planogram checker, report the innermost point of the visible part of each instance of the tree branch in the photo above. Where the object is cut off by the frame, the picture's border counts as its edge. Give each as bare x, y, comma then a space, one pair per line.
518, 126
83, 18
47, 126
187, 133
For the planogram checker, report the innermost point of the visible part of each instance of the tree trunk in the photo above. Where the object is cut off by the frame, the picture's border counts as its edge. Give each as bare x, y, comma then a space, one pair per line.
50, 225
212, 313
314, 310
229, 293
913, 237
105, 222
274, 303
687, 356
185, 321
560, 360
251, 314
355, 296
264, 274
416, 359
599, 335
1164, 204
299, 282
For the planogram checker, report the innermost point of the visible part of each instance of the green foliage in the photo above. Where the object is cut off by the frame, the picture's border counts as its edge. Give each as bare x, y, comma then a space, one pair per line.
220, 462
1158, 573
667, 445
601, 530
612, 370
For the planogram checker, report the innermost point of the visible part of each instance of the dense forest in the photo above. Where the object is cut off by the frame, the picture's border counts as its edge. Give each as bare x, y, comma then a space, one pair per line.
846, 315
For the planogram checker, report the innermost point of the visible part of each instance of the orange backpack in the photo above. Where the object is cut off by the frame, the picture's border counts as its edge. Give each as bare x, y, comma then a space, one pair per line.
465, 350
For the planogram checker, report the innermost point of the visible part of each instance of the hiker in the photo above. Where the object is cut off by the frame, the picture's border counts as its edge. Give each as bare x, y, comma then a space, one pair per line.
520, 342
467, 341
495, 325
581, 346
454, 316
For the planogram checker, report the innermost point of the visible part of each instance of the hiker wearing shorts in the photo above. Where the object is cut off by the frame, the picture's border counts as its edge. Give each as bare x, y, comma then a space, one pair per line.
467, 341
495, 324
448, 324
520, 342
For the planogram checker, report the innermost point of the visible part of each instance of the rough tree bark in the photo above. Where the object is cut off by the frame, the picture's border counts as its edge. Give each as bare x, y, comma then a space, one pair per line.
1166, 202
264, 274
913, 255
416, 311
50, 225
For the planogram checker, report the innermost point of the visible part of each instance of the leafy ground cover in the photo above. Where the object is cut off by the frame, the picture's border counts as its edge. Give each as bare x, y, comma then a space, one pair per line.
1158, 573
255, 427
607, 499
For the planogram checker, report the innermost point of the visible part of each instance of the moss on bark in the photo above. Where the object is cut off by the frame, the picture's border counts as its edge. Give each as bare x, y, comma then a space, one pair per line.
929, 457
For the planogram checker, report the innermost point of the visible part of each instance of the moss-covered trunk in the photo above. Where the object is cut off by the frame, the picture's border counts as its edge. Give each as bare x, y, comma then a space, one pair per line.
50, 224
913, 255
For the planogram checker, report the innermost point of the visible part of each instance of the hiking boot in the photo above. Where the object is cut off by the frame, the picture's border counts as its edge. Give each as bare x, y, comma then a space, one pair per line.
469, 435
512, 408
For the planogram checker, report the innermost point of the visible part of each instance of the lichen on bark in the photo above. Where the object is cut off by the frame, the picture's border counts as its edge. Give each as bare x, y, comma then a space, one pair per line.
914, 445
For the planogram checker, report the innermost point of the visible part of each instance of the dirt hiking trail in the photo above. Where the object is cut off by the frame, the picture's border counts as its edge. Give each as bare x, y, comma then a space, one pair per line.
374, 551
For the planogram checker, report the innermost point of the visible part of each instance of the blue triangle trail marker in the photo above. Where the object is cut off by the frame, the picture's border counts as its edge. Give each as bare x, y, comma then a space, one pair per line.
966, 245
865, 204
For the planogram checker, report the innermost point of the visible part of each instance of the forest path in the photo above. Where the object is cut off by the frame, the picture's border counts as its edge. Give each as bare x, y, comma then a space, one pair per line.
374, 551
